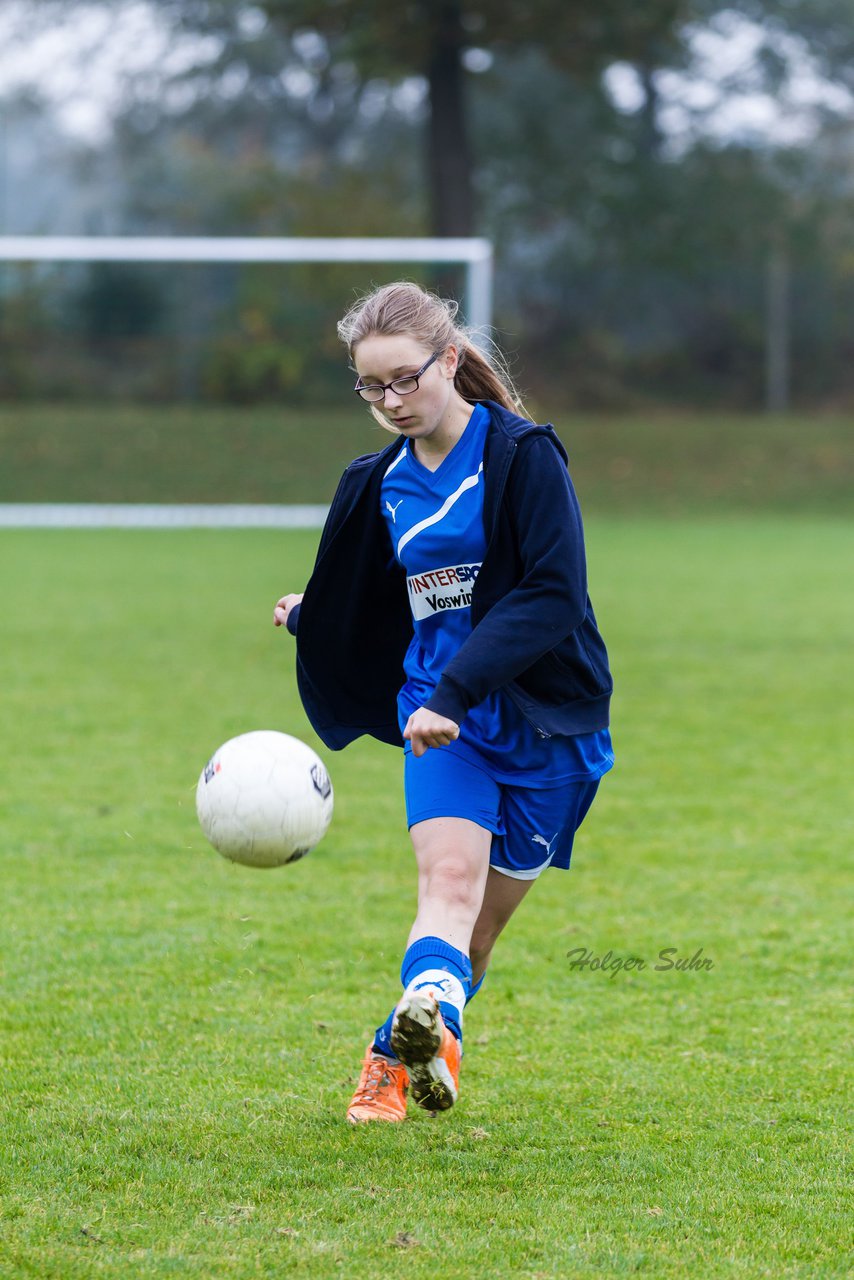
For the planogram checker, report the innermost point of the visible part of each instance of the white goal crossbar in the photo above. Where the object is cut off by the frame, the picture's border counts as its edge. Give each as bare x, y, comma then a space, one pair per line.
474, 253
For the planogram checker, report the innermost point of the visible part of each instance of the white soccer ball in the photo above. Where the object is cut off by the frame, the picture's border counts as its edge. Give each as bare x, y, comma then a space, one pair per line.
264, 799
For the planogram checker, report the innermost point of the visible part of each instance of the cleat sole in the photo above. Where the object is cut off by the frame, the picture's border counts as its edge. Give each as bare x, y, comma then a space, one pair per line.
416, 1033
416, 1038
433, 1092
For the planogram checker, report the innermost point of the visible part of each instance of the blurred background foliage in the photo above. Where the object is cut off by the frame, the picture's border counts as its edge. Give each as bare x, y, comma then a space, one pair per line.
646, 250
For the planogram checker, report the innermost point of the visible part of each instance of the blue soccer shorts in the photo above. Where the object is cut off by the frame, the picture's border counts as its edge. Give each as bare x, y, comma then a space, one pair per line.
532, 828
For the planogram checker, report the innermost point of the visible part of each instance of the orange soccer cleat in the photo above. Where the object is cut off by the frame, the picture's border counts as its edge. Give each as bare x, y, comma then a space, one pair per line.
430, 1052
381, 1091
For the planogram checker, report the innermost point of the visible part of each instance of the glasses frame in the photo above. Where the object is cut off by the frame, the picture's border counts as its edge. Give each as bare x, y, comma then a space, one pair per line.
391, 386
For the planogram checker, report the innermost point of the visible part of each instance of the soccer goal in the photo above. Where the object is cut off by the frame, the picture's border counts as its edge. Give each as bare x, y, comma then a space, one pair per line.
193, 321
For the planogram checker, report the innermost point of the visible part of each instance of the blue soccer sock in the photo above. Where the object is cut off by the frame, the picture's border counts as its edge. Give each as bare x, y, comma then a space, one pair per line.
382, 1038
434, 965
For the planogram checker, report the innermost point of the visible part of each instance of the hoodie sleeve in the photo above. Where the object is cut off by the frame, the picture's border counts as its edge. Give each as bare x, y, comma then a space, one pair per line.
549, 599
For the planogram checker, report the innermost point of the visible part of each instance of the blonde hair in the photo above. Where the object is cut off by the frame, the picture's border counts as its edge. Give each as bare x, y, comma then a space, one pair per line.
406, 308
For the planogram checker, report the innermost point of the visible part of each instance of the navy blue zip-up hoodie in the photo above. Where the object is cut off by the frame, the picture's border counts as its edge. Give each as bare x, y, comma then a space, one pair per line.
534, 634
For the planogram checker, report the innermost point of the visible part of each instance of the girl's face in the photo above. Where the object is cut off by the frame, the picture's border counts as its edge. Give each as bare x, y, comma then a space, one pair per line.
384, 358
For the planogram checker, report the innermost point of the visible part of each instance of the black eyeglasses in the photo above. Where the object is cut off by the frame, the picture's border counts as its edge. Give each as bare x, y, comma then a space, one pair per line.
400, 386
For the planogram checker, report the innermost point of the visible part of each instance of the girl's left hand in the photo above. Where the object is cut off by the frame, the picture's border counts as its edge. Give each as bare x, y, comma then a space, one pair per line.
284, 607
427, 729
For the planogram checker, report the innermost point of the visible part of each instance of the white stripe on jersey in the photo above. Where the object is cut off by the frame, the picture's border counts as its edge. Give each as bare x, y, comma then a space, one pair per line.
468, 483
398, 459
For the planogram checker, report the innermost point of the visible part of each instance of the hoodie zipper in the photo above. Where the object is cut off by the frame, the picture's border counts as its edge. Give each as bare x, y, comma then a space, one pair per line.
541, 733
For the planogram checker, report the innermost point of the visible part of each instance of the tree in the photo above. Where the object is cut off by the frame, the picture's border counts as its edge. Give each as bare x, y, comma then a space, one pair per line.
824, 26
632, 257
433, 40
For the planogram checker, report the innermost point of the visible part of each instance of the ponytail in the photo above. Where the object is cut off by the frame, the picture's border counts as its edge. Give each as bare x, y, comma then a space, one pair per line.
483, 377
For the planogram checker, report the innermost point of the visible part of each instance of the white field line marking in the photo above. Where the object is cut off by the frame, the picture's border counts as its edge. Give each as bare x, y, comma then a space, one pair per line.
133, 515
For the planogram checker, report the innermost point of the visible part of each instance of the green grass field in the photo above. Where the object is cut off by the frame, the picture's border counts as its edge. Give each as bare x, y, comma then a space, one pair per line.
180, 1036
657, 462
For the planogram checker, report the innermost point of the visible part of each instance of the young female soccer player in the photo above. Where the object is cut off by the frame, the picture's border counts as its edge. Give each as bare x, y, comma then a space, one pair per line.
448, 613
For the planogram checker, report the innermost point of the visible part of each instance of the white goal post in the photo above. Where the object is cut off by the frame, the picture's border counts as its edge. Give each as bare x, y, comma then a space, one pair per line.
474, 253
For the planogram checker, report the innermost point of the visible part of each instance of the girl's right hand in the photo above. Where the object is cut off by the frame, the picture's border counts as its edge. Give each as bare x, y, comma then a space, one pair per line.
283, 608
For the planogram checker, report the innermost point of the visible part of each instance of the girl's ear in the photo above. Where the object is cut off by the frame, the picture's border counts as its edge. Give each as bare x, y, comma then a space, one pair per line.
450, 360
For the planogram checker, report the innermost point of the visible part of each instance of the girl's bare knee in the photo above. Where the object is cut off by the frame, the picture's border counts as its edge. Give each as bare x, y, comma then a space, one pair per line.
453, 885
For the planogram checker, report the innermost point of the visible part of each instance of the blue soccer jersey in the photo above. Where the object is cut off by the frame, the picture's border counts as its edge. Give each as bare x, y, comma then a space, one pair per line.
435, 519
